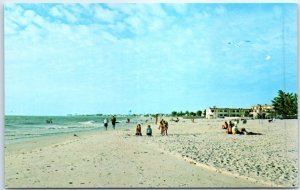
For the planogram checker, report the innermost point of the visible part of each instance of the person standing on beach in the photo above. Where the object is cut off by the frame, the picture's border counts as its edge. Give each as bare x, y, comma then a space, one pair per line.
260, 115
105, 123
156, 118
113, 122
166, 127
162, 127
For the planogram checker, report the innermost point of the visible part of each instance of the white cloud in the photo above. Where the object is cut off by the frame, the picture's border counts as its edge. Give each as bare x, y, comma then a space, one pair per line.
135, 24
220, 10
155, 10
63, 11
180, 8
29, 14
39, 21
268, 57
55, 12
70, 16
10, 27
155, 25
105, 14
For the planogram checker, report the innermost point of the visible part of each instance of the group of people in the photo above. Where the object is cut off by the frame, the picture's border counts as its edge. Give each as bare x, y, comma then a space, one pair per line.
138, 131
229, 127
163, 126
113, 122
232, 128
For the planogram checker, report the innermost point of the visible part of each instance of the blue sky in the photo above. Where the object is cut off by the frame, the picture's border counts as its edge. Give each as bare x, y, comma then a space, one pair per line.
111, 58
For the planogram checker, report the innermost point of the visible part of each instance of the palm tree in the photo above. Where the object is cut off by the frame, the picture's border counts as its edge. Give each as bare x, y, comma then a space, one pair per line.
286, 104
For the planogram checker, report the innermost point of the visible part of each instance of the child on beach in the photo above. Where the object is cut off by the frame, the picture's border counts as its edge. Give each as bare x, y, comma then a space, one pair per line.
149, 131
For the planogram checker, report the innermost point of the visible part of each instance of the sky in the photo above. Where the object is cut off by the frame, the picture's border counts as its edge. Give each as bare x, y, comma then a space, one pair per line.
148, 58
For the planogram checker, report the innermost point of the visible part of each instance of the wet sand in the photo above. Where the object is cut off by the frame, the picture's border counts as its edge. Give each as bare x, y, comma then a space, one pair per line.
196, 154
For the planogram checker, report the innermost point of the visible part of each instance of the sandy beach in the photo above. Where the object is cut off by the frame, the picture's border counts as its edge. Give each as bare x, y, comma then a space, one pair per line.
197, 154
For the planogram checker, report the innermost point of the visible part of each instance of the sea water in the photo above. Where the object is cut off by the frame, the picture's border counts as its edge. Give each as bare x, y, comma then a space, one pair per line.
23, 128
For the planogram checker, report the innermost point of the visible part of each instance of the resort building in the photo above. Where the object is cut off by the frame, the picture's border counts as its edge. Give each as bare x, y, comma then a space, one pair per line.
214, 113
261, 111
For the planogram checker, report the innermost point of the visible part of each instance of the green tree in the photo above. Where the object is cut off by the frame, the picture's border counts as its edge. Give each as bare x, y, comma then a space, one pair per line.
180, 113
192, 114
174, 113
187, 113
286, 104
198, 113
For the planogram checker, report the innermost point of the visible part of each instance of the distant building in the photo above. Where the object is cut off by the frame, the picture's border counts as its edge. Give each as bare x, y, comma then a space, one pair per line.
214, 113
261, 111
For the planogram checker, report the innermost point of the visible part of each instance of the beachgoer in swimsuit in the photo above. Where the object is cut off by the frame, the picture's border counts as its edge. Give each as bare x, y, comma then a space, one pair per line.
162, 127
105, 123
235, 130
166, 127
138, 130
225, 126
149, 131
229, 128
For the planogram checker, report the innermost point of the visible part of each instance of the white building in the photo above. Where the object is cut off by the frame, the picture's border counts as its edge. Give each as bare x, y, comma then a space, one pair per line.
214, 113
263, 110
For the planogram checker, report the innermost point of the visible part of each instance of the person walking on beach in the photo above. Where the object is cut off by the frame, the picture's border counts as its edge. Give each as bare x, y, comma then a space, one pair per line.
113, 122
105, 123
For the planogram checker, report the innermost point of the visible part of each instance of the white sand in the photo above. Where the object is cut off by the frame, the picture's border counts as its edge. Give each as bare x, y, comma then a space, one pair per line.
120, 159
271, 158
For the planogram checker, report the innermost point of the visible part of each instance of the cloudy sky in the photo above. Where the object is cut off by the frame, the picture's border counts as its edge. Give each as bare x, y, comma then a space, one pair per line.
111, 58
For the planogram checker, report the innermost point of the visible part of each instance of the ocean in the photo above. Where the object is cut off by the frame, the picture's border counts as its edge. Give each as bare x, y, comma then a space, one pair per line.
24, 128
